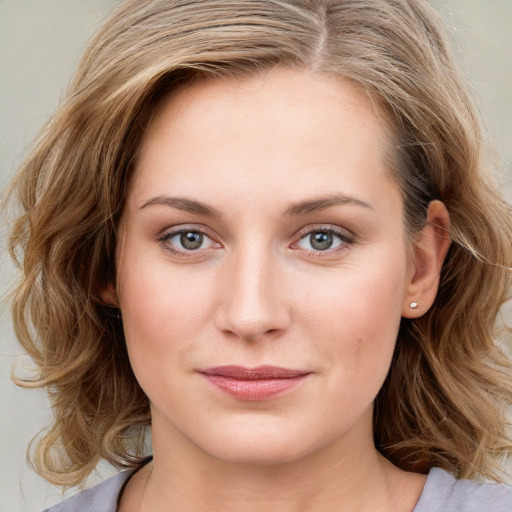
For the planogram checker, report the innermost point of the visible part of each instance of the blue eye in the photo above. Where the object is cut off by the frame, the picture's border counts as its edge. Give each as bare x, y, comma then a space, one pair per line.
323, 240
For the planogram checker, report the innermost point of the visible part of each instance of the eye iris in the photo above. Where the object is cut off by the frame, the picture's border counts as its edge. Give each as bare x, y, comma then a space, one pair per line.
191, 240
321, 240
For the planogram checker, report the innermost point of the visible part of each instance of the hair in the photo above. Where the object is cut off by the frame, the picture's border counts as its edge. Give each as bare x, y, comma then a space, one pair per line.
444, 402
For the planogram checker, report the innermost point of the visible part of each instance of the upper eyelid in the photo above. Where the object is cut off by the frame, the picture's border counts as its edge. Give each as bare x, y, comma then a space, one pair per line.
301, 233
180, 228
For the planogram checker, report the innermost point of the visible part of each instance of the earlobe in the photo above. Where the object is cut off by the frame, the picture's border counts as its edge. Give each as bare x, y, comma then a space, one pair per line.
429, 252
109, 295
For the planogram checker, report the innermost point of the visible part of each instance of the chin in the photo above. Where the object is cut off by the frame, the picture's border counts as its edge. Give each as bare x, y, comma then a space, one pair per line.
263, 447
264, 454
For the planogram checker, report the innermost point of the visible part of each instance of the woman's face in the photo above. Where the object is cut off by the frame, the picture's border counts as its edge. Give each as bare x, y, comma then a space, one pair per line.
262, 267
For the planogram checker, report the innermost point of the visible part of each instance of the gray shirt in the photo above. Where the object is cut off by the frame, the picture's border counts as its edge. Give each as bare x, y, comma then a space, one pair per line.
442, 493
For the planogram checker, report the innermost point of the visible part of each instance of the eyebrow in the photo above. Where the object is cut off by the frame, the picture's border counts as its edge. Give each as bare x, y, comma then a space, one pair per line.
186, 205
324, 202
295, 209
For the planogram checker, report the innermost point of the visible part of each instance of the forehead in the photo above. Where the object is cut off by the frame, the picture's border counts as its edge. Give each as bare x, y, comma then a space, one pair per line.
249, 131
297, 95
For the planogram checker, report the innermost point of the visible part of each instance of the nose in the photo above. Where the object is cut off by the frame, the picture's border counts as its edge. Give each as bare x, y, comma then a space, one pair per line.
252, 302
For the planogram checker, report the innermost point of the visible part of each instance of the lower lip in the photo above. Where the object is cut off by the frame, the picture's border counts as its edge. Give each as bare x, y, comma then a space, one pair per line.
255, 389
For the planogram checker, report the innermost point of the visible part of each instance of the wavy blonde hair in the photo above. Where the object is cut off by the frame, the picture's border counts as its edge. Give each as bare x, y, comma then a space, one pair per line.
444, 402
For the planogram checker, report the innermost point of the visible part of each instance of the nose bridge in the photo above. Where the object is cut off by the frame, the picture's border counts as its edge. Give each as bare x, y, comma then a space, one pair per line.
253, 301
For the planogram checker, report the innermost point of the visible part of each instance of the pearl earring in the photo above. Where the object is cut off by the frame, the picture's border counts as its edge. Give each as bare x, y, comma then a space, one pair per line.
413, 305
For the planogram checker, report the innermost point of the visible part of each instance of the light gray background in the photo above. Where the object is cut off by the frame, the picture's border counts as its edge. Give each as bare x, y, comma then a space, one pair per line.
40, 41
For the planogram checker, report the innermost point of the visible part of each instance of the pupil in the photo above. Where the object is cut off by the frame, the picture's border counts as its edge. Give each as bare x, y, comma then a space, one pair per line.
321, 241
191, 240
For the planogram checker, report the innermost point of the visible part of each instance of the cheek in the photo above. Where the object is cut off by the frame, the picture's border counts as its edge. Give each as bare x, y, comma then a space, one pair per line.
357, 316
163, 312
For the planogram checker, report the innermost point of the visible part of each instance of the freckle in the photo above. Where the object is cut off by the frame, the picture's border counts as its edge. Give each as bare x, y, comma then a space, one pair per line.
359, 348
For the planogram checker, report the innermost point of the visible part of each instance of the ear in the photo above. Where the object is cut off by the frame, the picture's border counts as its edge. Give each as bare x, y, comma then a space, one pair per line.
429, 250
109, 295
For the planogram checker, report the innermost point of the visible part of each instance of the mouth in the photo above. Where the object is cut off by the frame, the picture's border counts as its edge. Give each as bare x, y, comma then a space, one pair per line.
254, 384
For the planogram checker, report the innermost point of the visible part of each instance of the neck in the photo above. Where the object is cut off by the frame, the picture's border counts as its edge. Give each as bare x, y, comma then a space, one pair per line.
347, 475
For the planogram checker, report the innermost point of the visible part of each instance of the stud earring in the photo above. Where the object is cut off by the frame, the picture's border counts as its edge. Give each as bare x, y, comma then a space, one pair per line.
413, 305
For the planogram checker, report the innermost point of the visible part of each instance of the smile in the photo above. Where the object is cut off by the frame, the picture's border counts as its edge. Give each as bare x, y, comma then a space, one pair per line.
256, 384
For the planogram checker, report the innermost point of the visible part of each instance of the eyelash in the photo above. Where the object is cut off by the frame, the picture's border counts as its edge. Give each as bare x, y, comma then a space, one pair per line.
345, 240
165, 239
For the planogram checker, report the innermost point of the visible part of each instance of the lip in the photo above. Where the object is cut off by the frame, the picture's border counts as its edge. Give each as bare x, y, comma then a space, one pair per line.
255, 384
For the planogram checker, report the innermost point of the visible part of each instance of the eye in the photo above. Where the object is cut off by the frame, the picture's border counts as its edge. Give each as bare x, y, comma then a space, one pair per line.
323, 240
190, 240
185, 241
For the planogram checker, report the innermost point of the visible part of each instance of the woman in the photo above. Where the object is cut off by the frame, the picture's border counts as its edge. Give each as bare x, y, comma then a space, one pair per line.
264, 229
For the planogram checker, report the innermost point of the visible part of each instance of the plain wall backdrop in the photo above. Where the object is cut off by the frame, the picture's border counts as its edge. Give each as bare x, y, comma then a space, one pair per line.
40, 42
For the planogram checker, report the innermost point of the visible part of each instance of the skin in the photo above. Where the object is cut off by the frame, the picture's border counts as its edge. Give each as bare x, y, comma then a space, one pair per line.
258, 291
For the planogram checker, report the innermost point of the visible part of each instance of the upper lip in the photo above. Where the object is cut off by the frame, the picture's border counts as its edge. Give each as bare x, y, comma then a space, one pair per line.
260, 372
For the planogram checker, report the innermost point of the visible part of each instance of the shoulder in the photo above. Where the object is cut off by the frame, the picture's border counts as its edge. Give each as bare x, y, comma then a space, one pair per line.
443, 493
101, 498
